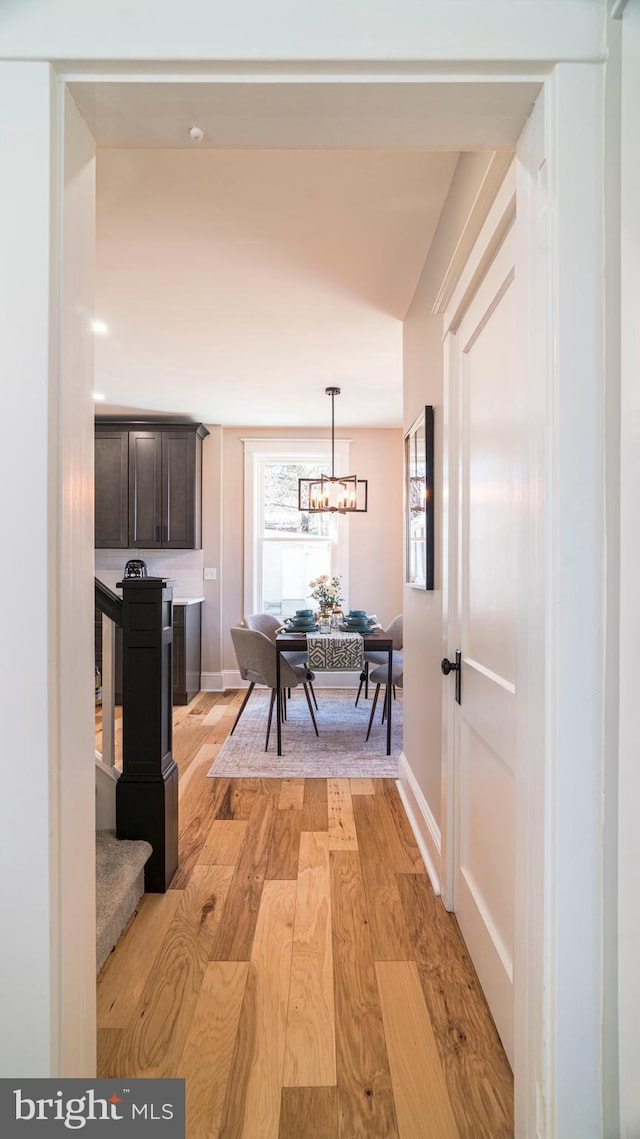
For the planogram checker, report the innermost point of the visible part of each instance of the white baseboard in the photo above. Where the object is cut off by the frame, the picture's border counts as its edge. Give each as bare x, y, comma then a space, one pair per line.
230, 678
214, 682
423, 824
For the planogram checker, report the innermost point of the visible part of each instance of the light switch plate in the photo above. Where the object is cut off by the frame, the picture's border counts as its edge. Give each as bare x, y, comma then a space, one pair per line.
210, 574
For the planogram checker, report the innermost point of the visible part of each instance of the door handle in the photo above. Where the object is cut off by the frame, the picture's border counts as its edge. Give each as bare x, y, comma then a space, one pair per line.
447, 666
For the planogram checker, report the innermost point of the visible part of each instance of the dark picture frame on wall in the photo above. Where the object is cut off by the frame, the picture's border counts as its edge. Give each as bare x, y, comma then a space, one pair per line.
419, 505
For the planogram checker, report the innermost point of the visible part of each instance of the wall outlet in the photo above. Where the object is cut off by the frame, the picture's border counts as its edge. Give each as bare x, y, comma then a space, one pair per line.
210, 574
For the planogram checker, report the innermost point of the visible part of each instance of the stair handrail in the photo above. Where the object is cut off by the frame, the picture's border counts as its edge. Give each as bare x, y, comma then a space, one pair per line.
108, 602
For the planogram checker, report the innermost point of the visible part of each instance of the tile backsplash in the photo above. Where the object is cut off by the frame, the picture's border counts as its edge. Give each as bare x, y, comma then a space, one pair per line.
182, 567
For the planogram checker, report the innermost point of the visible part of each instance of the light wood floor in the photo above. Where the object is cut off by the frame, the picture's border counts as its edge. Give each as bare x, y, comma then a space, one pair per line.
300, 974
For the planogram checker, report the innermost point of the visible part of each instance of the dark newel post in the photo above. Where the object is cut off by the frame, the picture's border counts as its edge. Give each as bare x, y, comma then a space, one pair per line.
147, 791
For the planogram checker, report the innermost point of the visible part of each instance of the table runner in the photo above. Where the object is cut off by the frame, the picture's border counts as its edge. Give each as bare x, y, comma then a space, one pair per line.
335, 652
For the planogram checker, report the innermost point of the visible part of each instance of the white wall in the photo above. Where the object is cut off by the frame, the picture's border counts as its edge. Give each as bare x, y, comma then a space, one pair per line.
423, 383
46, 822
27, 149
71, 474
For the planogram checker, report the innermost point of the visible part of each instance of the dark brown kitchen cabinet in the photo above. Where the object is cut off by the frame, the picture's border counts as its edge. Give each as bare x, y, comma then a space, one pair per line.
160, 483
112, 489
186, 652
145, 489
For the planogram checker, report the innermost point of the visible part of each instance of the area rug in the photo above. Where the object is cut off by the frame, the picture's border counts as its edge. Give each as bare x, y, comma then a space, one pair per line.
339, 751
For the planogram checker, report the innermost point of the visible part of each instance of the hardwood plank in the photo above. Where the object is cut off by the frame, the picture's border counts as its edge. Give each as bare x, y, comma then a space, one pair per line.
178, 714
476, 1068
154, 1039
108, 1048
214, 715
365, 1097
398, 853
235, 935
285, 845
309, 1113
198, 810
231, 696
342, 827
188, 740
291, 795
238, 800
200, 764
206, 1060
310, 1050
252, 1105
223, 843
202, 704
361, 786
269, 787
315, 805
389, 934
125, 972
419, 1086
406, 837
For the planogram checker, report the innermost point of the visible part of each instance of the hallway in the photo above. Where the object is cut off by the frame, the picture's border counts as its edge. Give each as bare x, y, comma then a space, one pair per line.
300, 974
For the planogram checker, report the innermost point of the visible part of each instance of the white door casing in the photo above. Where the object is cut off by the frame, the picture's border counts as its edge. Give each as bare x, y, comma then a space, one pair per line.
483, 389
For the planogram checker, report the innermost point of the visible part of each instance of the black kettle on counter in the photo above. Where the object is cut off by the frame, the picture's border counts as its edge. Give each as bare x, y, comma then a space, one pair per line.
135, 568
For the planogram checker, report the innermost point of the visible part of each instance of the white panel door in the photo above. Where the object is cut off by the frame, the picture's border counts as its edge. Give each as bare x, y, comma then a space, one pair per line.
485, 720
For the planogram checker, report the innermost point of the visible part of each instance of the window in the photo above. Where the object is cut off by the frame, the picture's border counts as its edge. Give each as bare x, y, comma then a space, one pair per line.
286, 548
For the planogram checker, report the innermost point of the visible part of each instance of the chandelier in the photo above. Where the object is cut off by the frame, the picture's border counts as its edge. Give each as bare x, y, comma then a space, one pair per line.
333, 494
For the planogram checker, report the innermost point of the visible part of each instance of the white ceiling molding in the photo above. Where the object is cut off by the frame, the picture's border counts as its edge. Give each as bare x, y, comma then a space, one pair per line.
491, 183
499, 220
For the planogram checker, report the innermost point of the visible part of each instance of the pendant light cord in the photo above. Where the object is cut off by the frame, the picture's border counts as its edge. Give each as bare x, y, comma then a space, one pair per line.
333, 392
333, 441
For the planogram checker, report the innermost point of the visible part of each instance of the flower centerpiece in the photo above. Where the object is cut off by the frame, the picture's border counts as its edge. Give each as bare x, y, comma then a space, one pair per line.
326, 591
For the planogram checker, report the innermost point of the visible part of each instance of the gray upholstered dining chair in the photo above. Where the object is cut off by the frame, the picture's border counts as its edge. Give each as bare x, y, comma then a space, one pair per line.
256, 656
268, 624
378, 677
395, 631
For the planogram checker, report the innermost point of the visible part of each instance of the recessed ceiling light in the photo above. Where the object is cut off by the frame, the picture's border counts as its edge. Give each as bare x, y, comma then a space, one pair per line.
98, 396
99, 326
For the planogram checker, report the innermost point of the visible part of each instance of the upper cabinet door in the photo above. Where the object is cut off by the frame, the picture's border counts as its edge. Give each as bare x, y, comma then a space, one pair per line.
111, 489
145, 489
179, 480
148, 485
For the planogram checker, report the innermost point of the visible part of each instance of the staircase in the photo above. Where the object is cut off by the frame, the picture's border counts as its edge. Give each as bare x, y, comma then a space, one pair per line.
140, 801
119, 887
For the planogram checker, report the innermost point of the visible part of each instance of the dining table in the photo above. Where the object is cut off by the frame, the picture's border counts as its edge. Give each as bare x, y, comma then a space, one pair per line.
375, 640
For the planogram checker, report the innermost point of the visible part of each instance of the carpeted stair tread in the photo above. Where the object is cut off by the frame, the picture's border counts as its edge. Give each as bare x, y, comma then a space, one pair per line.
119, 886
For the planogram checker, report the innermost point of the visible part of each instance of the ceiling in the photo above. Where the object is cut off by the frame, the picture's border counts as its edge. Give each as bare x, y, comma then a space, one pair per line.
241, 275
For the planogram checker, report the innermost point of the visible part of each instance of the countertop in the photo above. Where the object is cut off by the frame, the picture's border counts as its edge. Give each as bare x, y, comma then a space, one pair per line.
187, 600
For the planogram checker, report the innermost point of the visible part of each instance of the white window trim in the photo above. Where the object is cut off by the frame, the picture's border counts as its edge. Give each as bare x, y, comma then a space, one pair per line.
285, 450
